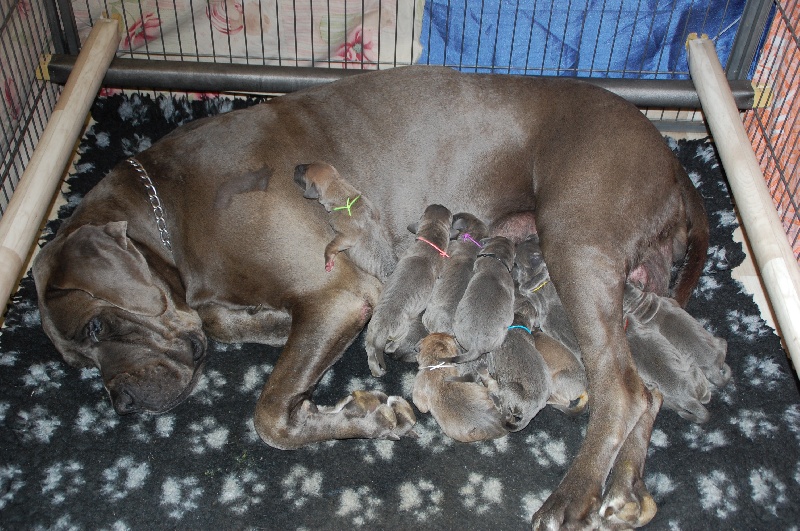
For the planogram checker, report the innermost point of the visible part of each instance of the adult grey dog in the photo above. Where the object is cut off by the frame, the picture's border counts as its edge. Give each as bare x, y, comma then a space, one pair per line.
607, 192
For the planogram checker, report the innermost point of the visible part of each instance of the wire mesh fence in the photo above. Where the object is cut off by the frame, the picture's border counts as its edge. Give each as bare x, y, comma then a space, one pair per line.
601, 38
27, 102
774, 128
631, 39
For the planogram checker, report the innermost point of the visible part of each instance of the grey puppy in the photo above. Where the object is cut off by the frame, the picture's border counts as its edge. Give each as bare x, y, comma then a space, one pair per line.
455, 275
461, 397
683, 331
487, 308
554, 337
355, 220
533, 281
663, 367
569, 392
681, 371
524, 383
674, 353
405, 295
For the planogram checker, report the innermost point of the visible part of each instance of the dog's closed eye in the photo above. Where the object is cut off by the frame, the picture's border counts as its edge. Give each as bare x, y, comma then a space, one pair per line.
93, 329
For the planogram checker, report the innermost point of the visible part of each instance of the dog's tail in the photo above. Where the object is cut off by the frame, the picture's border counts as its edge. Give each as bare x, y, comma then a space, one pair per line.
690, 269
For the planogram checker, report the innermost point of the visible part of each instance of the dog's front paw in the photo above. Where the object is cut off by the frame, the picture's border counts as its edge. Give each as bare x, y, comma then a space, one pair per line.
627, 506
568, 508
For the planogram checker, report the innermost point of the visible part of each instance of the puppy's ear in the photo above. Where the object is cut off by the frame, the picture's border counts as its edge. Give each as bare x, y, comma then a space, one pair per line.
103, 262
311, 191
300, 177
454, 232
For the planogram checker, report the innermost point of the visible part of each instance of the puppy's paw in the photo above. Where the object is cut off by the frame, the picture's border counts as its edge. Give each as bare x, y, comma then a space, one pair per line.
689, 409
687, 395
404, 414
375, 360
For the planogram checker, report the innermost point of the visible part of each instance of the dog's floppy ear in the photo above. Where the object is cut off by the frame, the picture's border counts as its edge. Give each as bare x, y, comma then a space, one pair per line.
310, 189
103, 262
252, 181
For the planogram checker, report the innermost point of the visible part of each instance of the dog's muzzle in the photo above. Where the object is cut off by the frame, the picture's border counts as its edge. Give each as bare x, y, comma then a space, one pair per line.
158, 384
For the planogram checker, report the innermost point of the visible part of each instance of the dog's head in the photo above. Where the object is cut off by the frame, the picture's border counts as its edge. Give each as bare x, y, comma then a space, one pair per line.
466, 223
315, 178
435, 348
105, 302
529, 269
435, 225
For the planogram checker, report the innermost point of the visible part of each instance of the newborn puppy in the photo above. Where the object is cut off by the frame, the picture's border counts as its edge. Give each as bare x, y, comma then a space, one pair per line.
487, 308
406, 293
458, 396
682, 330
653, 323
663, 367
524, 384
357, 223
455, 275
570, 387
533, 282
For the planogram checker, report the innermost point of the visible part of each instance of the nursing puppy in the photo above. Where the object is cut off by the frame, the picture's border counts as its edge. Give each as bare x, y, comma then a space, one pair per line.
461, 397
661, 366
533, 282
406, 293
682, 330
524, 383
553, 335
569, 392
355, 220
673, 352
487, 308
681, 371
455, 275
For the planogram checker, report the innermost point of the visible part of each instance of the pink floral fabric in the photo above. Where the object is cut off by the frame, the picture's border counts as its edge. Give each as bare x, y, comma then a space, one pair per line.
144, 30
332, 33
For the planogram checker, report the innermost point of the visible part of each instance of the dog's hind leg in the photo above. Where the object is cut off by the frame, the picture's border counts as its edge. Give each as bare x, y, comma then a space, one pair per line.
324, 324
617, 396
626, 502
341, 242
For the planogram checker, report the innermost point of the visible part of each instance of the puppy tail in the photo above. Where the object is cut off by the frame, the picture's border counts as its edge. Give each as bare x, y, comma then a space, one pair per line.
697, 240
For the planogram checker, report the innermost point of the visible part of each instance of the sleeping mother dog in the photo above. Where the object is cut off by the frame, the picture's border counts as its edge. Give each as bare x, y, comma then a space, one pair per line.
235, 252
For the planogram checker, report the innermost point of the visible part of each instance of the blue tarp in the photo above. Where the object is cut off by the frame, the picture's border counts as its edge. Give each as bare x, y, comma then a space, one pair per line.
600, 38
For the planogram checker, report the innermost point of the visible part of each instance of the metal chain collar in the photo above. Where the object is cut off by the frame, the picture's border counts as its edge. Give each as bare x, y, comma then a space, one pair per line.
155, 202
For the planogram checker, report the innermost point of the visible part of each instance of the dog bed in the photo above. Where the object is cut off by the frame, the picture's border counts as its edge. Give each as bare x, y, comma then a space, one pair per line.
69, 461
